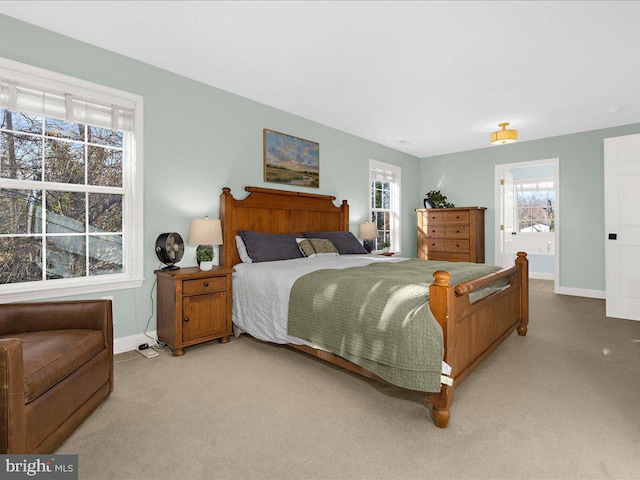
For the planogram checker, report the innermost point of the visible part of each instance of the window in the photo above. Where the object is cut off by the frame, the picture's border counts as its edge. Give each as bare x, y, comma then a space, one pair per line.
384, 184
535, 204
70, 185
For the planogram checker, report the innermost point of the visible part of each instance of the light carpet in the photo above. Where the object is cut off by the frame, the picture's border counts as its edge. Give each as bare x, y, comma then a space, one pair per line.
560, 403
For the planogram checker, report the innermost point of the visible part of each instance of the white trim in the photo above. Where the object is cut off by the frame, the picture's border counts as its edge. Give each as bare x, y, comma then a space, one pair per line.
65, 83
542, 275
132, 210
126, 344
581, 292
36, 290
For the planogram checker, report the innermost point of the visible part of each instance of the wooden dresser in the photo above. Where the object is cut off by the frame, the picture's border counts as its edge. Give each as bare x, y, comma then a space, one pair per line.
452, 234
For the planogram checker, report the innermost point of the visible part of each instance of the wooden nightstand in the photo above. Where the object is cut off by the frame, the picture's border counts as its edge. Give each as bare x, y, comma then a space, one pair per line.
193, 306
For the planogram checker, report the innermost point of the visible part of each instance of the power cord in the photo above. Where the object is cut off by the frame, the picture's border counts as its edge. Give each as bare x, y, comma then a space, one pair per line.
157, 345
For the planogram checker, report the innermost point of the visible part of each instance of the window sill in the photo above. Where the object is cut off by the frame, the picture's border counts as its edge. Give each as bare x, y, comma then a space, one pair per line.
71, 287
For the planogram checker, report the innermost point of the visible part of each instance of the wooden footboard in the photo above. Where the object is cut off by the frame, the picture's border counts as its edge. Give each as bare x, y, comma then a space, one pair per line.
471, 331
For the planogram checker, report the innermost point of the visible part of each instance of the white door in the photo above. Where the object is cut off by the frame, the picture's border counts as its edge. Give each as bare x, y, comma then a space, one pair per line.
622, 226
508, 215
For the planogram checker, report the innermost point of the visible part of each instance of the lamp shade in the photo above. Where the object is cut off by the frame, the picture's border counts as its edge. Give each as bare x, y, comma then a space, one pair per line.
504, 136
367, 231
205, 231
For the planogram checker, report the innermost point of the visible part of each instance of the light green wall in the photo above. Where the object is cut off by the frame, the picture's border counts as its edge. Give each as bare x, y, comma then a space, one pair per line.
467, 178
198, 139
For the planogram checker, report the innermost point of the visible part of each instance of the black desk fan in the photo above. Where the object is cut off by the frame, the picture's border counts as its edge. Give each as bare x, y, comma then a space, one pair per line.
169, 249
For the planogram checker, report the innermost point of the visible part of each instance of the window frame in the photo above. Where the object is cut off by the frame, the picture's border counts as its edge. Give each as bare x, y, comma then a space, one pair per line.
132, 186
394, 202
516, 215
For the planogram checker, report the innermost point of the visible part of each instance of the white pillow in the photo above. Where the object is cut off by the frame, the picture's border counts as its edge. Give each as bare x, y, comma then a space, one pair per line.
242, 250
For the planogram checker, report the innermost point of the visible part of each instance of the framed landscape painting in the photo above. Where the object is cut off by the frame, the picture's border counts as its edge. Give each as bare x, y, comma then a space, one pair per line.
291, 160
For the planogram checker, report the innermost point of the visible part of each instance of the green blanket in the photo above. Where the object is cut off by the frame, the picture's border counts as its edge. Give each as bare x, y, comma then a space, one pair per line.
378, 317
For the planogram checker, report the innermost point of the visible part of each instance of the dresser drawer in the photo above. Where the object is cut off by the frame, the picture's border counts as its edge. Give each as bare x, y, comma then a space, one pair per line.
204, 285
434, 244
457, 246
457, 231
434, 217
434, 232
450, 257
461, 217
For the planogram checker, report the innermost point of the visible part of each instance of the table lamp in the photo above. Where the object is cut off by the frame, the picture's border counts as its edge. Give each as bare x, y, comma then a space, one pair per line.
205, 233
367, 232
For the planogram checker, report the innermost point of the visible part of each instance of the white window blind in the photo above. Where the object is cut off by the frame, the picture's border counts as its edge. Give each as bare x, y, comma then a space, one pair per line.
21, 97
379, 174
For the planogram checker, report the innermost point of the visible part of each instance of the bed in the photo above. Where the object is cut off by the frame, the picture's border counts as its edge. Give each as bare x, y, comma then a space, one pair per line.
473, 316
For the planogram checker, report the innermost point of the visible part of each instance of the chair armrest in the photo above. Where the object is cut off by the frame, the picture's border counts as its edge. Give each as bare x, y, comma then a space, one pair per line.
33, 317
12, 421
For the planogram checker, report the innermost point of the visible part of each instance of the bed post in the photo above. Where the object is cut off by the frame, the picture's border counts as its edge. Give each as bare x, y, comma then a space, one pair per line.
344, 216
523, 266
228, 228
441, 296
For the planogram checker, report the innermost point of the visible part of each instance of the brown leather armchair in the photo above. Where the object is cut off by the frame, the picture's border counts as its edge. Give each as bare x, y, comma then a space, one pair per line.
56, 367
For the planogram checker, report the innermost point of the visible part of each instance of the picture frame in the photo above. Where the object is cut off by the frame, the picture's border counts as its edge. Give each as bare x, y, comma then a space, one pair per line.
290, 160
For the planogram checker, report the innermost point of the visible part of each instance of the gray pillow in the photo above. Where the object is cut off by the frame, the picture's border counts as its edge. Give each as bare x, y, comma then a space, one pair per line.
268, 247
345, 242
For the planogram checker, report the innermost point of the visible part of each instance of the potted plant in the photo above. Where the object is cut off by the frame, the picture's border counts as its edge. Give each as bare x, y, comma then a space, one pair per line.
435, 199
204, 255
385, 246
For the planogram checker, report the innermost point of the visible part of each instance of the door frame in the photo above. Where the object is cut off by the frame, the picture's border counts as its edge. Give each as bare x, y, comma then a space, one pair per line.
499, 169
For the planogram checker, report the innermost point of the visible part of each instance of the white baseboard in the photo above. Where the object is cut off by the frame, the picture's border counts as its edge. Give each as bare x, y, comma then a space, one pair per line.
126, 344
582, 292
541, 276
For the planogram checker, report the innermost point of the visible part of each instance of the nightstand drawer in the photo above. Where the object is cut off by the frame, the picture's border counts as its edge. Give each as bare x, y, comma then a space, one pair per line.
204, 285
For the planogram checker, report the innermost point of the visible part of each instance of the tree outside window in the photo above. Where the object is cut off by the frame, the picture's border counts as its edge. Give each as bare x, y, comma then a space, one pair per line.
54, 232
535, 206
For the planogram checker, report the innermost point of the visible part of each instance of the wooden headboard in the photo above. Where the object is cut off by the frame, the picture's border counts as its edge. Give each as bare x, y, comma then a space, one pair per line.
276, 211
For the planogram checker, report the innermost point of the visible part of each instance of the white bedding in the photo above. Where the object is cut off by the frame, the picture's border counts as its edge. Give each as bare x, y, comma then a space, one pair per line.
261, 292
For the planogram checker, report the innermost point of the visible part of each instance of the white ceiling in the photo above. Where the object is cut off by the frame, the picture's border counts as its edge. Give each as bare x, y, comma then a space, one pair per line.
440, 75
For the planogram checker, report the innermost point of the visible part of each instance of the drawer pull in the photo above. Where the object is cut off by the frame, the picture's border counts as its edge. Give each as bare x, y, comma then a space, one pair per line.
186, 319
433, 244
457, 231
206, 284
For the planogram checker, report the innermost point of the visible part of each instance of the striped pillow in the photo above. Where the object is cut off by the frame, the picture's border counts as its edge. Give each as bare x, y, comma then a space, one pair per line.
314, 247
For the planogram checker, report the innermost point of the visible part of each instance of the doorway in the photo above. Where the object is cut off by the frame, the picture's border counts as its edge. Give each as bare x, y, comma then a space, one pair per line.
527, 217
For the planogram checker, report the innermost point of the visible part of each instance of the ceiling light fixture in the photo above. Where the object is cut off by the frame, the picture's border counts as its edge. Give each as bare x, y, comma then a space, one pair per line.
504, 136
